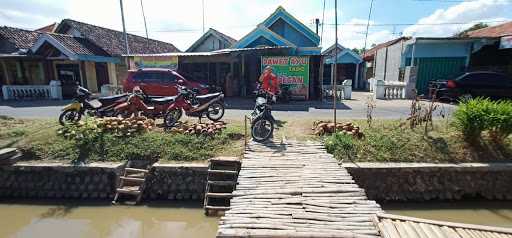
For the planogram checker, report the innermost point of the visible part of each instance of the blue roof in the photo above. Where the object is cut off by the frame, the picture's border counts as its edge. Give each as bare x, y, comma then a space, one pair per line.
346, 56
280, 29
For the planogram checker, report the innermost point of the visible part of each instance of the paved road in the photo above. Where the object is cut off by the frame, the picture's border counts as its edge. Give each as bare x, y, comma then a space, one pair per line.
238, 107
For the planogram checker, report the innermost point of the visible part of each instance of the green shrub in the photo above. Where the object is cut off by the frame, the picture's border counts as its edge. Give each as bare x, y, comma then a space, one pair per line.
478, 115
500, 121
341, 145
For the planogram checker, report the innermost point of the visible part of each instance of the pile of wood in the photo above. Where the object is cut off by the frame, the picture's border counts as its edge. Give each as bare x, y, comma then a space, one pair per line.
125, 126
327, 127
114, 125
205, 129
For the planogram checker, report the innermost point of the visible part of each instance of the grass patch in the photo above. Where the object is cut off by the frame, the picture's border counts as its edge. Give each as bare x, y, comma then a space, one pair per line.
387, 141
39, 140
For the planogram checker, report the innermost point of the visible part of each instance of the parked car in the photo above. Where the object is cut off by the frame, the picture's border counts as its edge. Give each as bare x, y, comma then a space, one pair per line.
159, 82
473, 84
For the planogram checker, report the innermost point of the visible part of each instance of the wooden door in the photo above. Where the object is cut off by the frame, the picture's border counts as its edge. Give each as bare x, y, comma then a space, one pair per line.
101, 74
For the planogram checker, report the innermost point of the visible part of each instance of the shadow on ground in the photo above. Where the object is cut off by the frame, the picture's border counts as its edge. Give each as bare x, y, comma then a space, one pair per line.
248, 104
34, 103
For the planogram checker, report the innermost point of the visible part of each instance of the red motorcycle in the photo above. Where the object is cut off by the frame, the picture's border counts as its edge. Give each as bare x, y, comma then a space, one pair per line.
137, 104
209, 105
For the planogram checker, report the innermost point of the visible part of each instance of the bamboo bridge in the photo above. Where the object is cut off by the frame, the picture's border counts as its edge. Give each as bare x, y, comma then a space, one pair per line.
296, 189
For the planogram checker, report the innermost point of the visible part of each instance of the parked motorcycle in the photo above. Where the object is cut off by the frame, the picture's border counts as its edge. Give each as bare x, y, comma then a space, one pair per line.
262, 121
138, 103
209, 105
286, 95
85, 105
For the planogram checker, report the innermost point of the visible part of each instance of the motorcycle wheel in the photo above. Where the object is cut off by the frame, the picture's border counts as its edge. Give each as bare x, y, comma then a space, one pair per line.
262, 129
215, 111
69, 116
171, 117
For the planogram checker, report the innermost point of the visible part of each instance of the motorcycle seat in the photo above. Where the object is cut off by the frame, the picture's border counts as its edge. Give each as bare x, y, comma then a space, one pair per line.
210, 95
163, 100
114, 97
110, 99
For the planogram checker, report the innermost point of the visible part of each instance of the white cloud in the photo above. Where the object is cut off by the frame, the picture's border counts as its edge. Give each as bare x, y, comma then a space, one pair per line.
180, 22
470, 12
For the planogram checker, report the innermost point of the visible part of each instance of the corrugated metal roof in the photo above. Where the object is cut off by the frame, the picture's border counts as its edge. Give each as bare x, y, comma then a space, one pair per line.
217, 52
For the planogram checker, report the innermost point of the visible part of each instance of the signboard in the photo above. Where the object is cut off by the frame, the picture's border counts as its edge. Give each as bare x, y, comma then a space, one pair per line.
506, 42
292, 71
167, 62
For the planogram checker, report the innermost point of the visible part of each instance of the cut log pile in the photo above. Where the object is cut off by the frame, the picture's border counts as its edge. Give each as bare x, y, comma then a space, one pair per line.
125, 126
205, 129
114, 125
327, 127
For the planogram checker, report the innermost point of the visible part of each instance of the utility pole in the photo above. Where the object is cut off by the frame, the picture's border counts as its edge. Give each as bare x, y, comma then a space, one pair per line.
124, 29
367, 27
203, 16
334, 88
317, 23
145, 25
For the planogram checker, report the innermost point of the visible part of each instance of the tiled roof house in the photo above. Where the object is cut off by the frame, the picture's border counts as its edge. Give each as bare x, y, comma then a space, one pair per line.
112, 41
69, 52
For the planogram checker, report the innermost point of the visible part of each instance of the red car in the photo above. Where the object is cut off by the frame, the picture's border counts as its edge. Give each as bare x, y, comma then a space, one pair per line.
159, 82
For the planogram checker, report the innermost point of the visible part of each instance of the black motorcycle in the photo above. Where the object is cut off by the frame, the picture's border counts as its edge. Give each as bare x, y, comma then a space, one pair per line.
84, 104
262, 121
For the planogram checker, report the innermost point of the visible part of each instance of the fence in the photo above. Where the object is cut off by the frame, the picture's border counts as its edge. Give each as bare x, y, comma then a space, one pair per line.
109, 90
343, 91
389, 90
30, 92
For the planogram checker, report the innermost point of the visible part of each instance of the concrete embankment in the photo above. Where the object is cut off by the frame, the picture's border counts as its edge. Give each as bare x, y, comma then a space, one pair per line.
98, 181
381, 181
422, 182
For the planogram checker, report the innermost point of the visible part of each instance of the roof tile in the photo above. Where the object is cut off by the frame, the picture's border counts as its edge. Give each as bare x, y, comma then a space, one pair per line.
112, 41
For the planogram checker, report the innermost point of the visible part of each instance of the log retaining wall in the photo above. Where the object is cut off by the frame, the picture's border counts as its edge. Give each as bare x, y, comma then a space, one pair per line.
422, 182
98, 181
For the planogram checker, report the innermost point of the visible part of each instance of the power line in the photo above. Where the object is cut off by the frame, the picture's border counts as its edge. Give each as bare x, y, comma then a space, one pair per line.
323, 18
419, 24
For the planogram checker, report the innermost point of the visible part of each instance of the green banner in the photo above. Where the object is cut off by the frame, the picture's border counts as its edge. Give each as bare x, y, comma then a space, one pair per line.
292, 71
166, 62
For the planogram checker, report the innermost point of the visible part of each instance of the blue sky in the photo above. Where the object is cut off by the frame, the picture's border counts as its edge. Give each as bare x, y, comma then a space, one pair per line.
180, 22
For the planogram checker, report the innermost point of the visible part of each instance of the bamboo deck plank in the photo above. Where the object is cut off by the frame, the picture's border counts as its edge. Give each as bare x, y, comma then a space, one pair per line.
422, 228
296, 190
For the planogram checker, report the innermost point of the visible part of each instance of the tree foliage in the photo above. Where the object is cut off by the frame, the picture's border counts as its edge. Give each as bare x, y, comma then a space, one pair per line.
465, 32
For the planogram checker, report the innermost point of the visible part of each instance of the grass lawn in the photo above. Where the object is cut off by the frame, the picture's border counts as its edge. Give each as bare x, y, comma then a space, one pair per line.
385, 141
40, 141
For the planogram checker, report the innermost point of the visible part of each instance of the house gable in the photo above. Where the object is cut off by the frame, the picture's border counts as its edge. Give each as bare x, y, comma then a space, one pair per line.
292, 29
346, 56
255, 38
73, 48
281, 29
210, 41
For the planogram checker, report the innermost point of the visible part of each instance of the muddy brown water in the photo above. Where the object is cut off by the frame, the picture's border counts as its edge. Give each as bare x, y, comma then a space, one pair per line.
71, 219
101, 220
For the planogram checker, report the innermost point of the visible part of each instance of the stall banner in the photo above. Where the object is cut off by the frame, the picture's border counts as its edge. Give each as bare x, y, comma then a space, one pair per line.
506, 42
167, 62
292, 71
